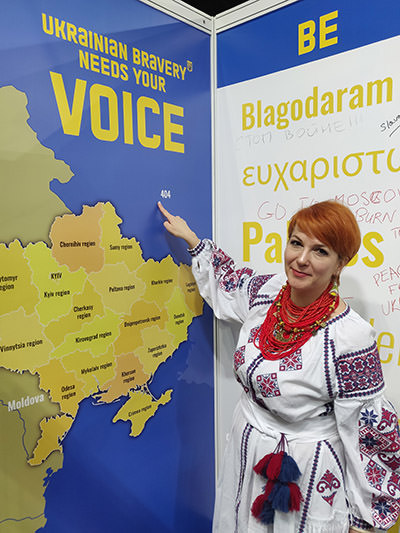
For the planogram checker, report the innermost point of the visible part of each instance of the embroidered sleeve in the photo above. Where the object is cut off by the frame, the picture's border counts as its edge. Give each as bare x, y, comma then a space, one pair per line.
227, 289
359, 373
368, 427
379, 444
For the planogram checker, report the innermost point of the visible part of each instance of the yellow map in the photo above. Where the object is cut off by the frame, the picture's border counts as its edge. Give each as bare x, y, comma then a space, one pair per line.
81, 315
86, 316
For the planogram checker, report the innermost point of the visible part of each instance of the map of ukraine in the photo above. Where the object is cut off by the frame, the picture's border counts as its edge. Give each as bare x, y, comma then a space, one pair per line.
81, 315
89, 316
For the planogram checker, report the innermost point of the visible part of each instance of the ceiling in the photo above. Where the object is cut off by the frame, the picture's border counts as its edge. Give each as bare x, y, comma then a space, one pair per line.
213, 7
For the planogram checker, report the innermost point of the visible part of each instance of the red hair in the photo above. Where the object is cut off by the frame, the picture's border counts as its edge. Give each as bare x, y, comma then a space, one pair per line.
333, 224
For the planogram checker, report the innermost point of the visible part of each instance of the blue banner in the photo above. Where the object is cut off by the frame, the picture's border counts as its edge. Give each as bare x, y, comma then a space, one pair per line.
106, 364
272, 40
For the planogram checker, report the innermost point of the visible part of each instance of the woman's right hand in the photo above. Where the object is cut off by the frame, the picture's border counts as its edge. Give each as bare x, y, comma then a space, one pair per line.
178, 227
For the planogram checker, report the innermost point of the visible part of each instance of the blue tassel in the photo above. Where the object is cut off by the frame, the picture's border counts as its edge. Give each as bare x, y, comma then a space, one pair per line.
273, 492
267, 514
280, 497
289, 470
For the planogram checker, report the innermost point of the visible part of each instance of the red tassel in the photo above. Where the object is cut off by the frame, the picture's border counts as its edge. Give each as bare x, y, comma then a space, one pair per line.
258, 504
274, 465
261, 466
295, 497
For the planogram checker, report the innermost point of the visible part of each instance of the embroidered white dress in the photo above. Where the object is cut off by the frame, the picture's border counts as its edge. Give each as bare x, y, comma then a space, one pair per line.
327, 398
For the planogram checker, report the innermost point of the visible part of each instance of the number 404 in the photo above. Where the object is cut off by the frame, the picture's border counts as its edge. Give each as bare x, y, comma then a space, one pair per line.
165, 193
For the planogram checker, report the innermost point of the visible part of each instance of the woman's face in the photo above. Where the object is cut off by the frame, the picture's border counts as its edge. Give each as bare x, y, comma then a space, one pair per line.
309, 266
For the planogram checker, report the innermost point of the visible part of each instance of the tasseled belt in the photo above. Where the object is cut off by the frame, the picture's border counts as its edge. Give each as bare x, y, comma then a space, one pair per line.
280, 493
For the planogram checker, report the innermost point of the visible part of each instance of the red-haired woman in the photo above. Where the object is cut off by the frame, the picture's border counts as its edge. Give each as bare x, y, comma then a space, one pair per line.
314, 446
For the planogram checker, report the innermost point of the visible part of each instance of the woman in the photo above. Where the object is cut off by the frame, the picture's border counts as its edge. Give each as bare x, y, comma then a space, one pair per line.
314, 446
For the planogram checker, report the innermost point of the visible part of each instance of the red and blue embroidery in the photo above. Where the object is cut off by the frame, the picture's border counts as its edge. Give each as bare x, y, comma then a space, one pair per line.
384, 511
373, 442
327, 486
268, 385
394, 485
238, 357
224, 268
310, 487
255, 298
388, 421
243, 465
325, 479
194, 252
359, 373
380, 436
291, 362
379, 446
253, 334
328, 345
375, 474
250, 373
359, 522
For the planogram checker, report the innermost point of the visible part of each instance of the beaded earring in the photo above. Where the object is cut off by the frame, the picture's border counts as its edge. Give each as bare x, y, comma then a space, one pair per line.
335, 287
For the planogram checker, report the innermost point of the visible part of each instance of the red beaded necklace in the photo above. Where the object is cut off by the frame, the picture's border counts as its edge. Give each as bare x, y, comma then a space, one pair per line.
287, 327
